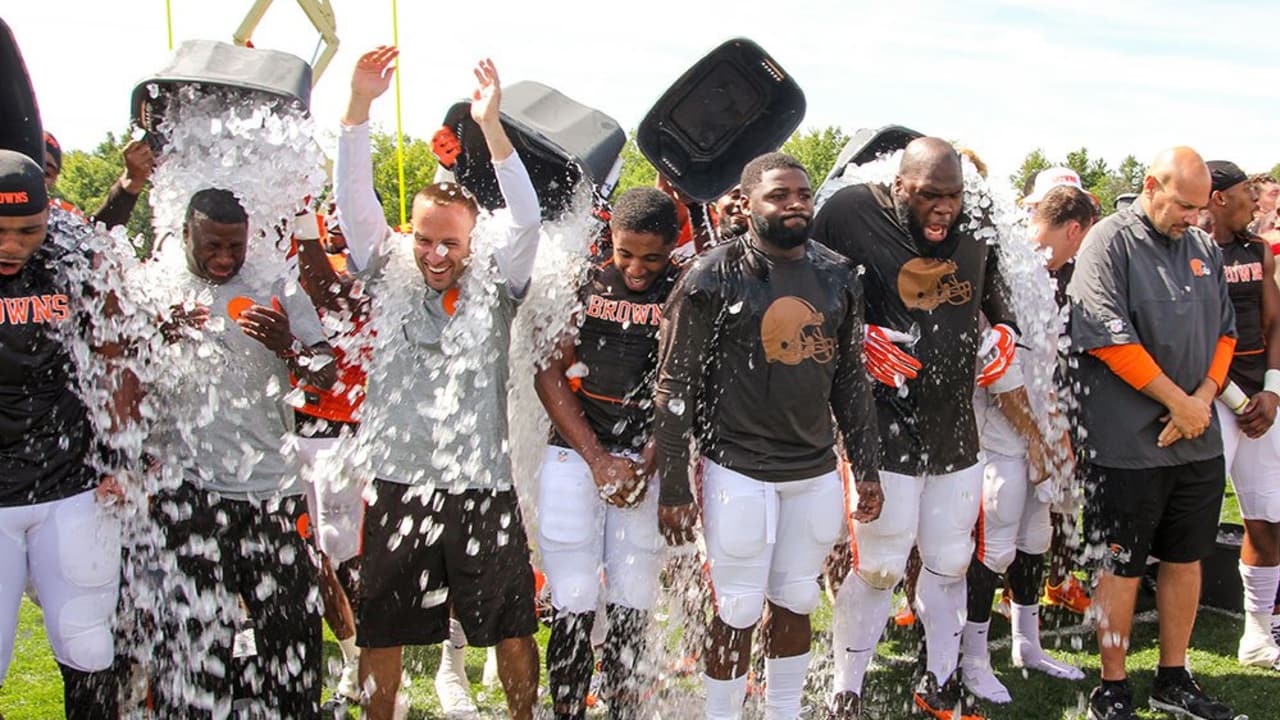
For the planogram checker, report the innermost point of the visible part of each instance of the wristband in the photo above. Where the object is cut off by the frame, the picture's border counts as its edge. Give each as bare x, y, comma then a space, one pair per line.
1271, 382
1233, 397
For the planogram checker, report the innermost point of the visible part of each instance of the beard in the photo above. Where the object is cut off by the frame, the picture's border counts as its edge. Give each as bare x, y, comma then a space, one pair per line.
778, 233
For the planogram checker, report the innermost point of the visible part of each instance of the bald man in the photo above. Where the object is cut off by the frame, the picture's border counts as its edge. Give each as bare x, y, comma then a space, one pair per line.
1153, 329
926, 277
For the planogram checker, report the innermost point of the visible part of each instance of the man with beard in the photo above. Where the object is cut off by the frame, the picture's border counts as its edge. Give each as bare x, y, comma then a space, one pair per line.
592, 502
927, 278
759, 349
1153, 328
1247, 406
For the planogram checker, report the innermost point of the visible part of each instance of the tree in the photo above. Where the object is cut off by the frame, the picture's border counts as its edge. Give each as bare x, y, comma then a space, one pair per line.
419, 171
636, 171
817, 150
86, 178
1092, 172
1032, 164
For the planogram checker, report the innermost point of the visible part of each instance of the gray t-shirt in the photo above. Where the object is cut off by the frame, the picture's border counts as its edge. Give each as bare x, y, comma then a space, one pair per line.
229, 425
1134, 285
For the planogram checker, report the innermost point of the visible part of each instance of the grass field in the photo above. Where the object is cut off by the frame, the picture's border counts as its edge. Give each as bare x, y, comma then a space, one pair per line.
33, 689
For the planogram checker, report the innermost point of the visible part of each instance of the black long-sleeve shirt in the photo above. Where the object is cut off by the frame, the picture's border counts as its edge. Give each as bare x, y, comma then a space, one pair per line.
117, 207
937, 289
755, 354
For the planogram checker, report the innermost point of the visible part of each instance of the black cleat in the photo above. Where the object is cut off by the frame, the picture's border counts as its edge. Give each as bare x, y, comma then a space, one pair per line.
948, 702
1114, 704
1184, 698
846, 706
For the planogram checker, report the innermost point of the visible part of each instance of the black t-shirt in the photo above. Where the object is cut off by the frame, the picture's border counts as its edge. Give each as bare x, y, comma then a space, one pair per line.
45, 435
935, 291
1242, 266
618, 344
757, 354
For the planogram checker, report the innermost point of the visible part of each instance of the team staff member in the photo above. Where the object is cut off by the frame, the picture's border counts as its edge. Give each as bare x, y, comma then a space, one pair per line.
122, 197
430, 375
233, 523
1247, 407
326, 422
56, 532
1153, 326
768, 321
924, 270
592, 502
1014, 528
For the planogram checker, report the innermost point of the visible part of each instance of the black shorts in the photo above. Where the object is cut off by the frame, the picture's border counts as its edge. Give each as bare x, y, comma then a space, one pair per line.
1170, 513
462, 552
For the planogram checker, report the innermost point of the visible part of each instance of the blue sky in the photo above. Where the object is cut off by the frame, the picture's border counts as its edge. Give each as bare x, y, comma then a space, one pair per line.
1002, 77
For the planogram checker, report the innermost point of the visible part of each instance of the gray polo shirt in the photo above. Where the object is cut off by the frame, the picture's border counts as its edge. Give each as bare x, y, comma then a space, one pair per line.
229, 422
1134, 285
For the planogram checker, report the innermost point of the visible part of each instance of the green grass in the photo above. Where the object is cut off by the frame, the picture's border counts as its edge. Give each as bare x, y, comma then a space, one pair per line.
33, 688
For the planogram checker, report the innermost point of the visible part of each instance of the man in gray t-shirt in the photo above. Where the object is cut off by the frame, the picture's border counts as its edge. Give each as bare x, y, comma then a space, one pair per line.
1152, 329
442, 532
235, 526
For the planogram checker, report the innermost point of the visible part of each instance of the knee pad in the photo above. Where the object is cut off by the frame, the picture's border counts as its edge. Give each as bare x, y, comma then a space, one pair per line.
951, 560
1037, 538
880, 560
799, 597
83, 639
740, 611
576, 593
996, 556
633, 590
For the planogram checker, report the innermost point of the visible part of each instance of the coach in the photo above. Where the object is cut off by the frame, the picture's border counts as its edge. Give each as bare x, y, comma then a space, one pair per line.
1153, 329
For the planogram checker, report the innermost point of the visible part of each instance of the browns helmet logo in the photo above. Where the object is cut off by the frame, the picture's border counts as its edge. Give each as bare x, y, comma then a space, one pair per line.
1199, 268
926, 283
791, 332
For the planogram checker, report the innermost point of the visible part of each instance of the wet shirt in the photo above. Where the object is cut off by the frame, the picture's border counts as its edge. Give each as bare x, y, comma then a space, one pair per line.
930, 290
1134, 285
755, 355
1242, 266
618, 347
237, 444
45, 434
435, 412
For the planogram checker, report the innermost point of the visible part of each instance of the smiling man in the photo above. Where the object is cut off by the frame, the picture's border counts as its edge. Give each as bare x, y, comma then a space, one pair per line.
592, 502
926, 276
761, 363
442, 532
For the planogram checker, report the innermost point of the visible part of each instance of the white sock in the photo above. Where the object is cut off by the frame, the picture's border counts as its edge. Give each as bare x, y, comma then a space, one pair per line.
973, 643
857, 622
1025, 620
1260, 585
725, 697
1026, 649
784, 686
350, 653
453, 657
941, 607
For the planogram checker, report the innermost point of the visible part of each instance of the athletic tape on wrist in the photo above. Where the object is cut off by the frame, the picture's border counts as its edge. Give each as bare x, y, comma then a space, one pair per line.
1233, 397
1271, 382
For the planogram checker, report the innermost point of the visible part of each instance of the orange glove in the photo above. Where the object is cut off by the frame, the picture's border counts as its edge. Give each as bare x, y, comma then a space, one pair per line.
998, 344
885, 361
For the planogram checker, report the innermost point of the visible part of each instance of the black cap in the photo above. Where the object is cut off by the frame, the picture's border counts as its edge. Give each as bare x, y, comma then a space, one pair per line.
22, 190
1225, 174
53, 149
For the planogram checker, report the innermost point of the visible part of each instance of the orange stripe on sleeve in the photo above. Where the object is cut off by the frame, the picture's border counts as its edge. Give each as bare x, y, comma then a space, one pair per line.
1222, 360
1131, 362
